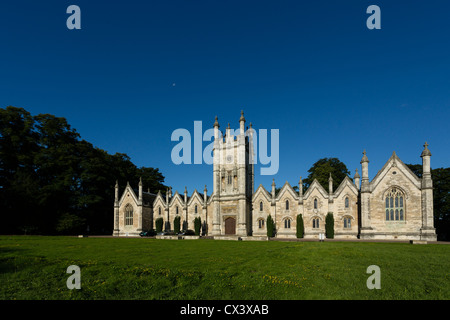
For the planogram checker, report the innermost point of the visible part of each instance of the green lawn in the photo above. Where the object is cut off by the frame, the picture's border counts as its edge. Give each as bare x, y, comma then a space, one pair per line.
111, 268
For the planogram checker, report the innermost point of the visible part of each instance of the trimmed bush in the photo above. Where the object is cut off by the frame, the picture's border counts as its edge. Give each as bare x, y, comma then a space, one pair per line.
329, 225
197, 225
159, 224
270, 226
300, 226
176, 225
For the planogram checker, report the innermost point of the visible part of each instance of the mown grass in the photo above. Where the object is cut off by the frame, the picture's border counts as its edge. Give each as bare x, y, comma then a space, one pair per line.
111, 268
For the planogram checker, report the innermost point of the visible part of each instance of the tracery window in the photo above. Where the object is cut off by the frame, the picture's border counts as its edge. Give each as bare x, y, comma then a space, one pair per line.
287, 223
128, 215
394, 203
315, 222
261, 223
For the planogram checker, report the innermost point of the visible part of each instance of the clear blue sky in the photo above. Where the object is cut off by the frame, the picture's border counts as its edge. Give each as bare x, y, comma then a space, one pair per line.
311, 69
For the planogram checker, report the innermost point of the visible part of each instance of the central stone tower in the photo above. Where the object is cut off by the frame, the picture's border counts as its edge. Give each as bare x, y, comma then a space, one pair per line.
233, 180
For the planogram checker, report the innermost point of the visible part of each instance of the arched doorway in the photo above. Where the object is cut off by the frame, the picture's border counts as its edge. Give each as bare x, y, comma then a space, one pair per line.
230, 225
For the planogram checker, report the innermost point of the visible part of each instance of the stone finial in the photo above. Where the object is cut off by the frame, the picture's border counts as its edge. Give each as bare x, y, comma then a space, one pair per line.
216, 123
364, 158
117, 184
426, 152
356, 174
330, 178
140, 181
273, 182
242, 116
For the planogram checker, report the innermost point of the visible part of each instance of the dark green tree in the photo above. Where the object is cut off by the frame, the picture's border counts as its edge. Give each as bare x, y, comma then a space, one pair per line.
197, 225
159, 224
321, 170
329, 225
270, 226
52, 182
176, 224
300, 226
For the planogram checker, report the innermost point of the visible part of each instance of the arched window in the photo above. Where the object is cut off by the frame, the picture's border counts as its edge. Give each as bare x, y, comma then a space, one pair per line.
176, 209
315, 222
261, 223
347, 223
128, 215
315, 203
287, 204
394, 205
195, 209
347, 202
287, 223
261, 206
159, 210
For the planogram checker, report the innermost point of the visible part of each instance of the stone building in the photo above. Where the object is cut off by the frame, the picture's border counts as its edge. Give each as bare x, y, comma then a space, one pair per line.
396, 204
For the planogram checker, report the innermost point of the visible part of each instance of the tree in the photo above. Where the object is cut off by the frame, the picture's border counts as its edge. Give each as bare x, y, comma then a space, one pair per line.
321, 170
329, 225
197, 225
51, 180
270, 226
176, 224
300, 226
159, 224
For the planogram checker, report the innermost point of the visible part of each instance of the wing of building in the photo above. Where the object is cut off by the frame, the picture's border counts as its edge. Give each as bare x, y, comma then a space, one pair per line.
396, 204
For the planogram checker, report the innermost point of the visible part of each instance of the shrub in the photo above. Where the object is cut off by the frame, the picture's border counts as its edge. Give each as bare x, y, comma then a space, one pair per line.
197, 225
300, 226
176, 225
329, 225
270, 226
159, 224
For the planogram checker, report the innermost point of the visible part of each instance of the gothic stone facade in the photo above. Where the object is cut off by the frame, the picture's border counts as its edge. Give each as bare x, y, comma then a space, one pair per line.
396, 204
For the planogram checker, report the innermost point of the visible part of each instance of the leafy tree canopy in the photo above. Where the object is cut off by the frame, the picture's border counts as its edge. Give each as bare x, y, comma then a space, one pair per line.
321, 170
52, 181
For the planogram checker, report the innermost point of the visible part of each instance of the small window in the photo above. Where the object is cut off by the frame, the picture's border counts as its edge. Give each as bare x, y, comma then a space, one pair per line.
159, 210
287, 223
261, 206
261, 223
176, 209
287, 204
346, 202
347, 223
315, 203
315, 223
195, 209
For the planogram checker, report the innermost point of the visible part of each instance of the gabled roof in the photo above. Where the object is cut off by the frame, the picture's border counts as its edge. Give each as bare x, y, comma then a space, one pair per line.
176, 196
346, 182
197, 195
159, 197
315, 185
128, 189
263, 191
287, 188
394, 160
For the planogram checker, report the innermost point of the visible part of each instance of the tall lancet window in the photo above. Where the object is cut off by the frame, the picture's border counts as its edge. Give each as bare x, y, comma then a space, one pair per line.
128, 215
346, 202
394, 203
315, 203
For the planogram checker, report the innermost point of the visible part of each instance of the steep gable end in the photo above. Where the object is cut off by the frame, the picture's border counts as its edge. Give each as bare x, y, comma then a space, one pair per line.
395, 162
